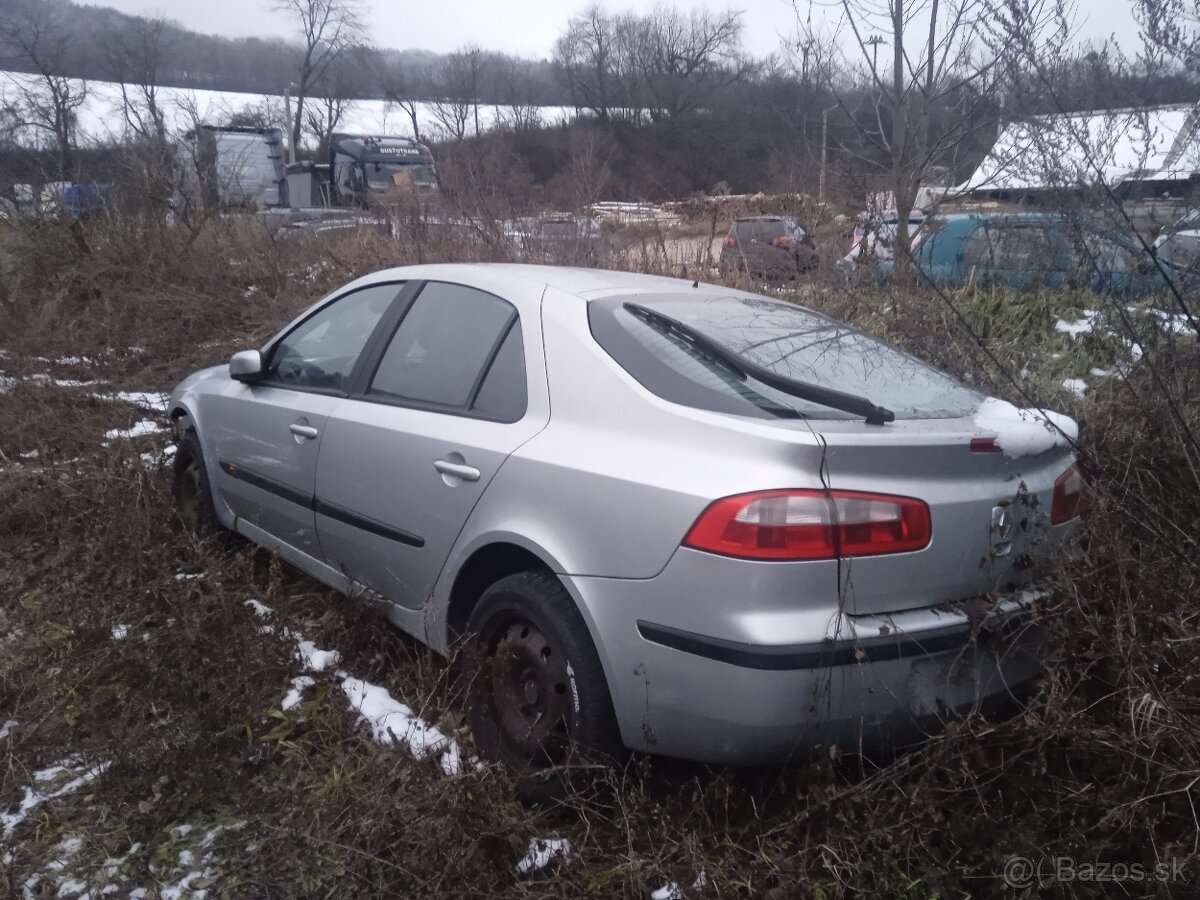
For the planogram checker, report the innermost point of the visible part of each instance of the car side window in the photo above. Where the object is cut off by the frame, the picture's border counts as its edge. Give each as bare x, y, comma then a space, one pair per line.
1181, 250
977, 250
1024, 248
320, 352
503, 394
441, 348
1105, 255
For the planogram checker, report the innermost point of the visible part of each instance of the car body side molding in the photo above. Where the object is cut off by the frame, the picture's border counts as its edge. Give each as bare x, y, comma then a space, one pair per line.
321, 507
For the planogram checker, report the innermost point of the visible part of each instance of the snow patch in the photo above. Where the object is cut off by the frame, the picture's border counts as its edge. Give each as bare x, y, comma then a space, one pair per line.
314, 658
1079, 326
541, 852
391, 721
120, 632
260, 609
35, 796
1077, 386
1025, 432
139, 429
6, 728
151, 400
188, 576
296, 693
672, 891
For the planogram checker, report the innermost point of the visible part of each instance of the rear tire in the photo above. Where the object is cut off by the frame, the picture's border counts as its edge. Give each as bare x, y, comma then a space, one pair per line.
537, 699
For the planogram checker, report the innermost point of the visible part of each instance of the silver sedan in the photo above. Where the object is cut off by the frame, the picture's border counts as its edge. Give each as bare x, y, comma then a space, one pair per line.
663, 516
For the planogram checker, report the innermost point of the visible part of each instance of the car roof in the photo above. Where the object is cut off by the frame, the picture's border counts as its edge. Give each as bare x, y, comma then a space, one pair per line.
1010, 215
778, 218
589, 284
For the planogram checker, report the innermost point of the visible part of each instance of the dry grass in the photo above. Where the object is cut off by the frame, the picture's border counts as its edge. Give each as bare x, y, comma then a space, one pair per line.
1102, 766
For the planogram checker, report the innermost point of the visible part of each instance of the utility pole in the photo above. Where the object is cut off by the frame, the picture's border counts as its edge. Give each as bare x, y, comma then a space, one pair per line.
824, 150
287, 111
874, 40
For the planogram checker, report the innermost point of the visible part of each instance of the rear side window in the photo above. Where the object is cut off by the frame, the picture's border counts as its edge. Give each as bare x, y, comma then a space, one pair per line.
503, 394
446, 347
789, 340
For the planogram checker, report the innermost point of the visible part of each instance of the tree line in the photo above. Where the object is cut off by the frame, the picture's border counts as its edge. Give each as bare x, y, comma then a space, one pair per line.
907, 92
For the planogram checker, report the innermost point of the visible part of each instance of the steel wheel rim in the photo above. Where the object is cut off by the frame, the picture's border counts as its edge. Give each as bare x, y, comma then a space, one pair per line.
528, 695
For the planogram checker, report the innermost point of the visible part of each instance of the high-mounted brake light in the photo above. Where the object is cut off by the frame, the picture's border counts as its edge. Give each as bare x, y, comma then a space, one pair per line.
1068, 493
984, 445
808, 524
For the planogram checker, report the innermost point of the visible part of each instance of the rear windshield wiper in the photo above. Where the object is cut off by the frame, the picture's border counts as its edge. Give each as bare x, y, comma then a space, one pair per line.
823, 396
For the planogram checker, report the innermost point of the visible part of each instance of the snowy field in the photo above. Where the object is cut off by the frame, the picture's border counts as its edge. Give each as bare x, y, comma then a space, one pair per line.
101, 116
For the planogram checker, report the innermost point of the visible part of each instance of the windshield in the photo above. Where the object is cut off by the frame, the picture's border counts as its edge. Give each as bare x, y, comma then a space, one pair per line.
786, 339
759, 229
385, 176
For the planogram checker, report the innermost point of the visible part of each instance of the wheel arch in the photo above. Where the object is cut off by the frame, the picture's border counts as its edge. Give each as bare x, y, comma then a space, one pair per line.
486, 565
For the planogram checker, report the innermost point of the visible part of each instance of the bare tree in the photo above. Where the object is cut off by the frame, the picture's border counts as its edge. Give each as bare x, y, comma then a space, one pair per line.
685, 58
457, 88
46, 102
135, 55
587, 54
329, 29
923, 106
518, 92
400, 88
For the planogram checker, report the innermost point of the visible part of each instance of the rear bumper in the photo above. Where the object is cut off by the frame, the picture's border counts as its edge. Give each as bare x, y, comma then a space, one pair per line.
884, 680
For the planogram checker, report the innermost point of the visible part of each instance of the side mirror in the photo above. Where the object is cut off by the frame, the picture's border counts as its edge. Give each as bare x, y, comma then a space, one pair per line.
245, 365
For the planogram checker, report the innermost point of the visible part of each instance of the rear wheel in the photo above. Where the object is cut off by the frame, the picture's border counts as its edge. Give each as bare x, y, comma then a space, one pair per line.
537, 698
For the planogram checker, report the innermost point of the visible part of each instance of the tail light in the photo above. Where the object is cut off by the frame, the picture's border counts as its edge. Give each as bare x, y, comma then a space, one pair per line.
1068, 496
730, 241
806, 524
785, 242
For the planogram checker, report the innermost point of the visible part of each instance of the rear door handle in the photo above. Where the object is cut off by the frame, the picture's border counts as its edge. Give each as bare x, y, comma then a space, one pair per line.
305, 431
458, 470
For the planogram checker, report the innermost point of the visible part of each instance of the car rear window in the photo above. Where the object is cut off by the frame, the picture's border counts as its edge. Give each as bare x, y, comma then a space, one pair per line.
786, 339
759, 229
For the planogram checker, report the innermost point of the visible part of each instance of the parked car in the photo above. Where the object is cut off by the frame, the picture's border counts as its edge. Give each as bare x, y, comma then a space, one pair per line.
637, 501
771, 247
1178, 245
873, 240
1028, 251
556, 236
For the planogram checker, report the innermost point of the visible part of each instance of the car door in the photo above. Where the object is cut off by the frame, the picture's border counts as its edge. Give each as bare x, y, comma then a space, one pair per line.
267, 434
404, 463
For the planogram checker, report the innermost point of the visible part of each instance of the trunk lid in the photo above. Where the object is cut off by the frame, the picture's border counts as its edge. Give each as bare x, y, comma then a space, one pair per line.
990, 510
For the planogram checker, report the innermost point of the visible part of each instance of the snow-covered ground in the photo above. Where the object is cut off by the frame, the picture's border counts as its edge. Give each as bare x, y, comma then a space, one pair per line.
101, 116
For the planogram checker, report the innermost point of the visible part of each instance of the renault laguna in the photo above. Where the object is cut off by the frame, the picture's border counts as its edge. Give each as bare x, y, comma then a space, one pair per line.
660, 515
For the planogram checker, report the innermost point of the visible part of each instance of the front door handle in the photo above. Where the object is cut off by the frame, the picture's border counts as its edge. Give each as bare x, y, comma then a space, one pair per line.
304, 431
457, 470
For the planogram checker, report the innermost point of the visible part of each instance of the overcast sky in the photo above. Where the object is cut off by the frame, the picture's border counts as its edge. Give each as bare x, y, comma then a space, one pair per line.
525, 27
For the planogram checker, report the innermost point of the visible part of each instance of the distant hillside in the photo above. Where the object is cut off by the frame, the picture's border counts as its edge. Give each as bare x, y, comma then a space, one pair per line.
212, 62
